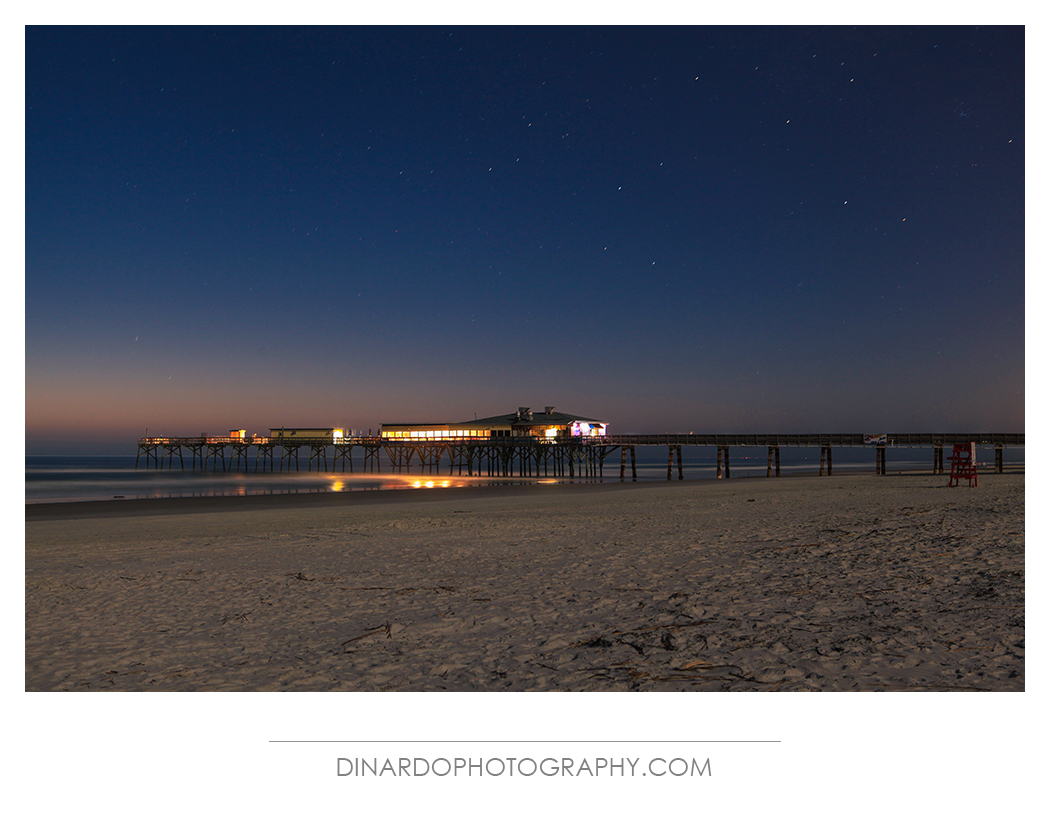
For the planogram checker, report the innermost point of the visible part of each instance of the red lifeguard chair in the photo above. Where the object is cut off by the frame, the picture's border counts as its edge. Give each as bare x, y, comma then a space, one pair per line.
964, 465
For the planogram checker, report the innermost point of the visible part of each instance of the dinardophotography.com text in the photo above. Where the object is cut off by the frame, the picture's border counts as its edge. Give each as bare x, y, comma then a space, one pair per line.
522, 767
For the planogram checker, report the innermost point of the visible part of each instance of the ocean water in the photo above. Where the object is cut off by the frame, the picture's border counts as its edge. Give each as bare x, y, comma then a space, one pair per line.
82, 478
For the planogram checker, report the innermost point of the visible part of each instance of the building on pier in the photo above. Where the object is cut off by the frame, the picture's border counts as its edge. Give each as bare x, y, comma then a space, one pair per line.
307, 434
547, 424
424, 432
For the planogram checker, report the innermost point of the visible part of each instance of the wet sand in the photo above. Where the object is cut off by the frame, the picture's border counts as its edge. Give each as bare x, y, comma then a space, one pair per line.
852, 582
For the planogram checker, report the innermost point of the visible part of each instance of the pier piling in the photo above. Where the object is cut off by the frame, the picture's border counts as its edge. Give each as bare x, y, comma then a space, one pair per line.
722, 457
825, 460
880, 459
672, 451
773, 460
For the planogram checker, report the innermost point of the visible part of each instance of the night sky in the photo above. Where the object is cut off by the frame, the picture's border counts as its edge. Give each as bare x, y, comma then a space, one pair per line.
707, 229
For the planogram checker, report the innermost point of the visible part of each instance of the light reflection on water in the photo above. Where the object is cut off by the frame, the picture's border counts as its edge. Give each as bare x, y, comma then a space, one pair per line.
54, 479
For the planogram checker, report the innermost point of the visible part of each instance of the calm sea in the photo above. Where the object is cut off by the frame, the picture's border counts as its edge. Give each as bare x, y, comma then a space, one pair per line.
77, 479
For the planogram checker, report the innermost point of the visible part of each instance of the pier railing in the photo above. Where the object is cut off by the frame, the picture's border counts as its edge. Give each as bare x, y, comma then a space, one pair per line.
924, 440
814, 440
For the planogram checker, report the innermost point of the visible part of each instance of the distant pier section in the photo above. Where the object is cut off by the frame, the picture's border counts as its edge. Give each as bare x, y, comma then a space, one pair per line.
524, 444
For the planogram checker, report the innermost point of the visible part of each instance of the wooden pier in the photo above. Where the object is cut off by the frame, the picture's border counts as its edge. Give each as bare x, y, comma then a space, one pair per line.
529, 456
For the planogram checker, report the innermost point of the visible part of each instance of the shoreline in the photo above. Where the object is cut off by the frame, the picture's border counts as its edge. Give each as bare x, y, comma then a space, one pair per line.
153, 506
818, 583
112, 508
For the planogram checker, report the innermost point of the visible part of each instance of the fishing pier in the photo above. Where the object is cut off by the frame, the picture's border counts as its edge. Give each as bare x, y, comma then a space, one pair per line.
523, 455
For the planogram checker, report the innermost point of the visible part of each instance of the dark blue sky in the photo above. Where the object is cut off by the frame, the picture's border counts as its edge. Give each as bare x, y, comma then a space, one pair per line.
670, 229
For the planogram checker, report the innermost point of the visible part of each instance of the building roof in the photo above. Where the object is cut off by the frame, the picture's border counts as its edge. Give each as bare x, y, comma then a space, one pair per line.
435, 425
525, 417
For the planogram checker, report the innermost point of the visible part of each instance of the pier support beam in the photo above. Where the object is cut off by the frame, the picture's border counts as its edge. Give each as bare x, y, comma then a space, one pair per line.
723, 455
400, 456
216, 453
318, 454
264, 456
825, 460
672, 450
601, 452
458, 456
880, 459
196, 453
371, 463
429, 456
343, 454
289, 453
149, 450
773, 461
239, 455
623, 463
938, 459
170, 450
998, 459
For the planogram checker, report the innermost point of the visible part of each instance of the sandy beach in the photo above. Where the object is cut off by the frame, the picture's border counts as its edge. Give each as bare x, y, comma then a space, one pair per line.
854, 582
